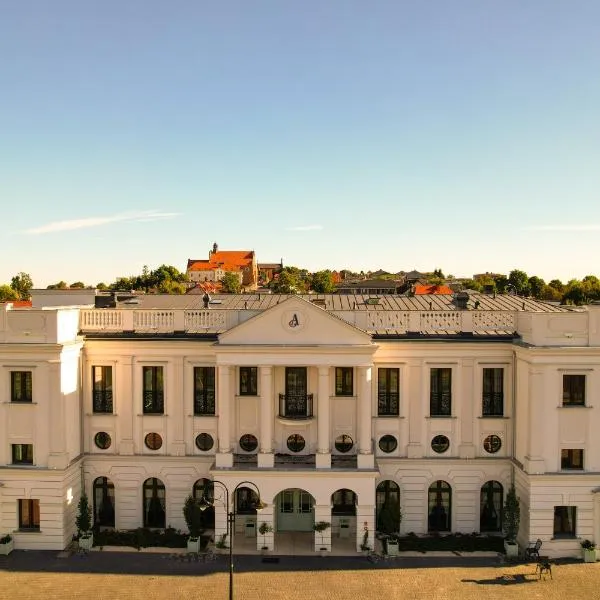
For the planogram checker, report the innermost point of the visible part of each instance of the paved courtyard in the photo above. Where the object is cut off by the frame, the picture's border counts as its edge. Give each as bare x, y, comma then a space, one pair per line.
43, 575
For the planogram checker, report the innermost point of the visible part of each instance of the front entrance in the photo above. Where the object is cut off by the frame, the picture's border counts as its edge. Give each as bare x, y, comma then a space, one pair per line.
295, 511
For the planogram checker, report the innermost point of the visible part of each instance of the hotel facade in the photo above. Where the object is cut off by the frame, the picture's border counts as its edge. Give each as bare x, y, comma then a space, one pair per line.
410, 414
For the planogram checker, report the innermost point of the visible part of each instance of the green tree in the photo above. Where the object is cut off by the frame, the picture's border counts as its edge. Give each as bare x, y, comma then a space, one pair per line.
550, 294
231, 283
575, 293
124, 284
519, 282
61, 285
558, 285
501, 282
471, 284
84, 515
101, 286
7, 293
22, 284
322, 282
536, 286
171, 287
287, 282
78, 285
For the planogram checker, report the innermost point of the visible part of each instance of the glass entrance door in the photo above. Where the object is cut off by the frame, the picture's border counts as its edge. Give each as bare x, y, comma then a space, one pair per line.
295, 511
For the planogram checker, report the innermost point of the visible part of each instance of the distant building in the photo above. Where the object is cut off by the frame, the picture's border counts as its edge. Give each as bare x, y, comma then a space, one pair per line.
368, 286
242, 262
267, 271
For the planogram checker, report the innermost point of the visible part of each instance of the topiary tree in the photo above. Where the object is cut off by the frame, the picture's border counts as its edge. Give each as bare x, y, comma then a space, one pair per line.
84, 516
511, 515
193, 517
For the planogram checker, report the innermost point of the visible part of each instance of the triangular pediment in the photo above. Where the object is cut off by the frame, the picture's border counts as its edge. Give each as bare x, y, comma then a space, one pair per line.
295, 322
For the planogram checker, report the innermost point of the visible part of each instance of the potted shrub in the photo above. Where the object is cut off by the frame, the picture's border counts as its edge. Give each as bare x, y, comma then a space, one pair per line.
193, 519
264, 529
510, 522
6, 544
320, 527
589, 551
365, 546
221, 545
84, 523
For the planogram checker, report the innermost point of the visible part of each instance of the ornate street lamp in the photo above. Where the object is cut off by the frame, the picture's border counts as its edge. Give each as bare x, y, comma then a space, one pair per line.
207, 502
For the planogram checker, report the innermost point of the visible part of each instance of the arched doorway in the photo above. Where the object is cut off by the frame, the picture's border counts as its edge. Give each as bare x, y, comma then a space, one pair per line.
439, 506
490, 506
154, 503
295, 510
104, 502
387, 507
203, 488
343, 512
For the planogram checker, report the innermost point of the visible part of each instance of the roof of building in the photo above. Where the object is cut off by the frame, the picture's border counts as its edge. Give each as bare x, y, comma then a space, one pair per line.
426, 289
227, 260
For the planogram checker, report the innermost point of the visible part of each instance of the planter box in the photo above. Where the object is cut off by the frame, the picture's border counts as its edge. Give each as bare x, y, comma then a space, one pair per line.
8, 547
193, 545
589, 555
391, 547
86, 543
511, 549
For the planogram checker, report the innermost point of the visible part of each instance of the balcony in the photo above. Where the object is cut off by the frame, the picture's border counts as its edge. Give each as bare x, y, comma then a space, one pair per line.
296, 406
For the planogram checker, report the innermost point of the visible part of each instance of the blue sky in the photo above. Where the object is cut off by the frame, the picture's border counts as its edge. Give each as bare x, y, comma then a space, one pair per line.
389, 134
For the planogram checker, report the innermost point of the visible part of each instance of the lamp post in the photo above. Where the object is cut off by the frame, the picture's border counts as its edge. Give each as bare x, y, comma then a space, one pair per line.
207, 502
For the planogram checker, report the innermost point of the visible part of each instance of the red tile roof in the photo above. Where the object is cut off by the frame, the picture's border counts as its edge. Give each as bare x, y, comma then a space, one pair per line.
423, 290
227, 260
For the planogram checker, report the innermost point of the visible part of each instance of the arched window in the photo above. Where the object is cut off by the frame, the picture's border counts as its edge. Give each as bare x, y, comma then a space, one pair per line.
439, 506
490, 506
154, 503
344, 502
246, 501
104, 502
387, 500
203, 488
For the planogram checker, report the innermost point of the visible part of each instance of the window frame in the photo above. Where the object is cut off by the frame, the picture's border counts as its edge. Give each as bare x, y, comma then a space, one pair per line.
251, 387
153, 397
28, 448
388, 399
438, 390
205, 390
102, 390
572, 378
569, 515
572, 459
344, 381
492, 398
18, 377
33, 513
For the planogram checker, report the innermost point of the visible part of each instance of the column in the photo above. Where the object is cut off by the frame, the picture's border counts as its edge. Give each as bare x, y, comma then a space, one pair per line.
176, 406
224, 458
365, 433
323, 538
323, 457
464, 409
534, 460
415, 403
266, 458
57, 457
126, 403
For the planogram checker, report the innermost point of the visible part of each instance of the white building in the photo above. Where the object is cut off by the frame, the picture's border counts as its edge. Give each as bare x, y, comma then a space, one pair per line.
337, 408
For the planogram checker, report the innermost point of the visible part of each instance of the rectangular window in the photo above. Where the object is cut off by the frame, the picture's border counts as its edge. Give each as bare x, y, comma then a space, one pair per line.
344, 381
102, 392
22, 454
565, 520
573, 390
571, 459
493, 393
154, 396
20, 386
29, 514
204, 390
388, 392
248, 381
440, 392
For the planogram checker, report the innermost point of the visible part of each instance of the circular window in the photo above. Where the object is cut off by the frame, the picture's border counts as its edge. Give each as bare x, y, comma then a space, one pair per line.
388, 443
102, 440
296, 442
343, 443
204, 442
440, 443
492, 444
153, 441
248, 442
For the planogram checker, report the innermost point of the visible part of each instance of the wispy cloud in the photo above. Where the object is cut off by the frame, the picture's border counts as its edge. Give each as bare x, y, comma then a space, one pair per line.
585, 227
71, 225
305, 228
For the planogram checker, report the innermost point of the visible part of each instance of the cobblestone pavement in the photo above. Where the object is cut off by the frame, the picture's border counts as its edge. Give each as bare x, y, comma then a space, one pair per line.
43, 575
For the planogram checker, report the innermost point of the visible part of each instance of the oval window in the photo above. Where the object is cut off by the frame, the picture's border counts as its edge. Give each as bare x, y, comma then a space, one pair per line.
492, 444
388, 443
102, 440
248, 442
153, 441
440, 443
343, 443
296, 442
204, 442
